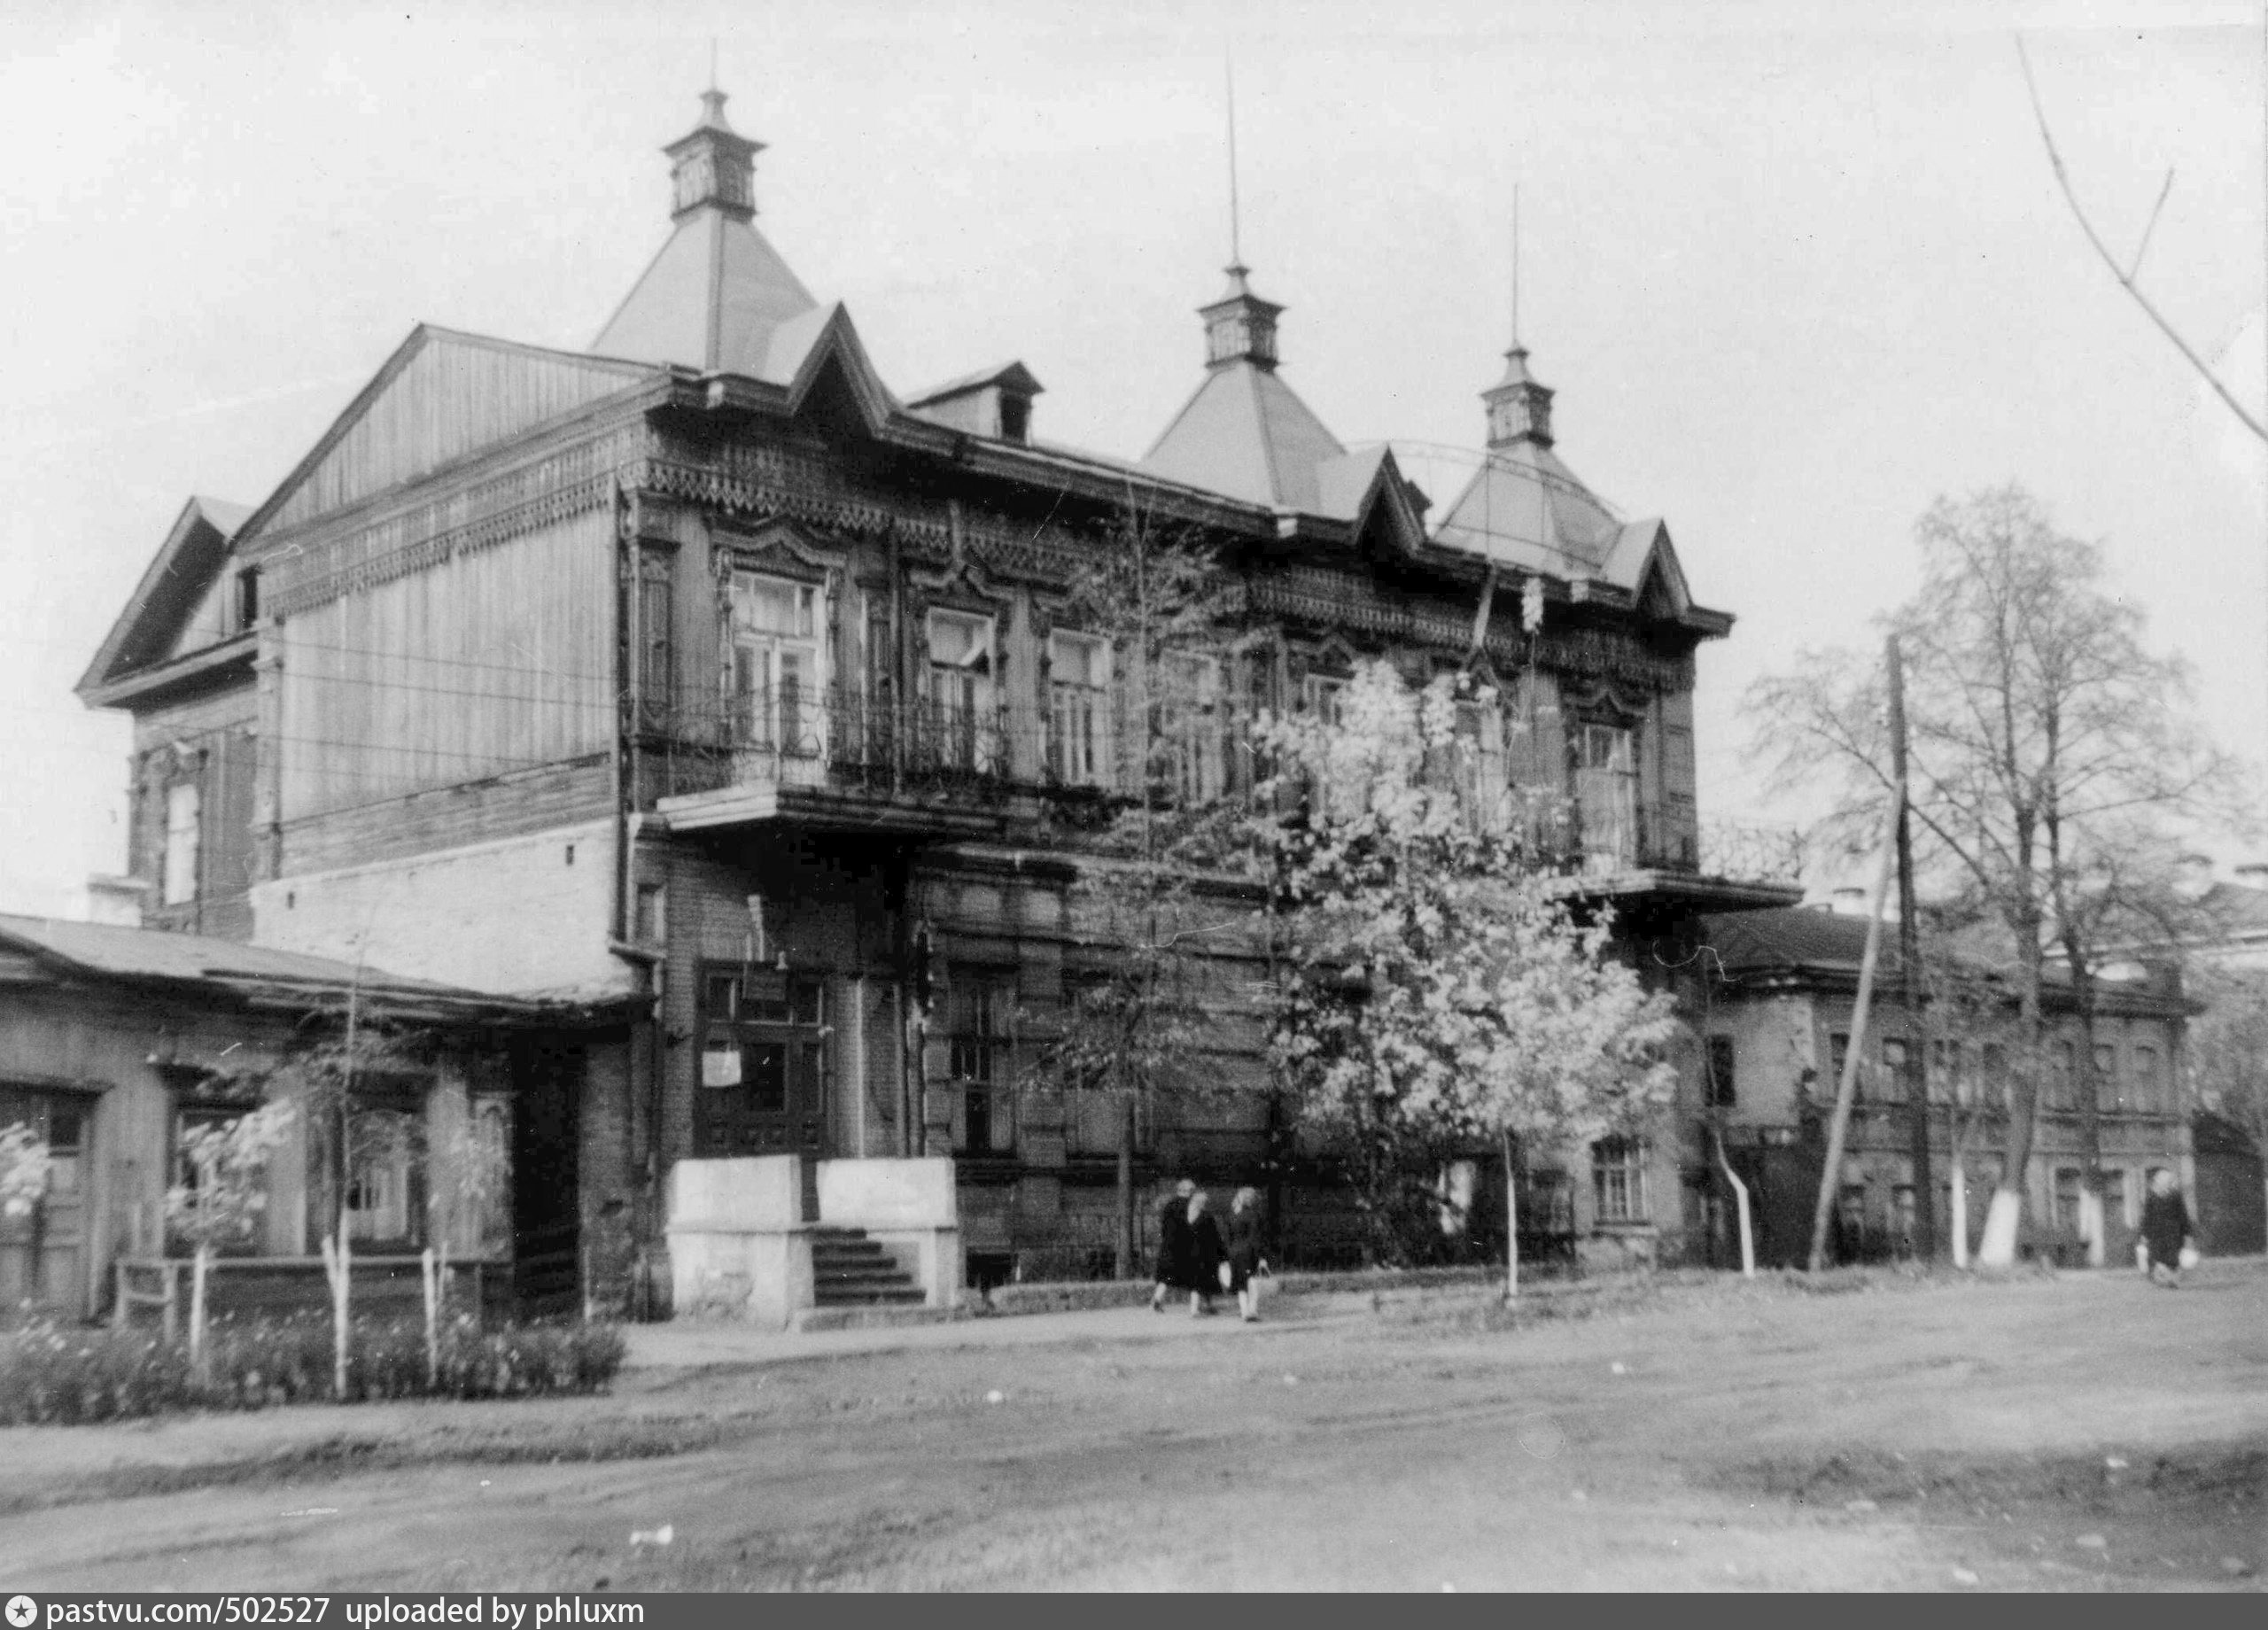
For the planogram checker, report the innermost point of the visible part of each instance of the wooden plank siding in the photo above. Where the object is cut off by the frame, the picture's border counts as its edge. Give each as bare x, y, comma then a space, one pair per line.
485, 663
450, 818
452, 396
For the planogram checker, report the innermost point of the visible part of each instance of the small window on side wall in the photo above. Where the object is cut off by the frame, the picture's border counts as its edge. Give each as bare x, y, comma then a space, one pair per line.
184, 833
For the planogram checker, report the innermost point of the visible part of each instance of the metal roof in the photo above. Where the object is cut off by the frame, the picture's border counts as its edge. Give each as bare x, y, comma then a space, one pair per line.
106, 950
713, 298
1246, 434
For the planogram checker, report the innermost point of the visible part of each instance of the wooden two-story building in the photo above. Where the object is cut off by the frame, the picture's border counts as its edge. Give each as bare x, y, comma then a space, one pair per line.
702, 670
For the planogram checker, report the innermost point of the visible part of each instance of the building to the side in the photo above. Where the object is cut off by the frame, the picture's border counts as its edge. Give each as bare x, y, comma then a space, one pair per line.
703, 671
1778, 1028
113, 1041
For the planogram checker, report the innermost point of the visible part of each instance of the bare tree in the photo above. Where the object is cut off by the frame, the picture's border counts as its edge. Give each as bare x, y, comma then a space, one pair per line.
1156, 593
2052, 755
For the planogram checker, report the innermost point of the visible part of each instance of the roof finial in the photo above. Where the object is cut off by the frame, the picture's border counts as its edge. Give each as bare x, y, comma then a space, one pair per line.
1236, 247
712, 62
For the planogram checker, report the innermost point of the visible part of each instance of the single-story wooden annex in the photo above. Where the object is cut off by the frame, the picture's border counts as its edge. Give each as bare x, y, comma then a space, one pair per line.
116, 1041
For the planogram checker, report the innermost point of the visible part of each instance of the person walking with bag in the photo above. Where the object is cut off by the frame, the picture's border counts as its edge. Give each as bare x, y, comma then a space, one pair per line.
1173, 1244
1209, 1257
1244, 1245
2168, 1235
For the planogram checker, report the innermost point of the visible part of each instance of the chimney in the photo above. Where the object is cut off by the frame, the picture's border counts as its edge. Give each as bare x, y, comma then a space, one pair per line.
2193, 876
116, 901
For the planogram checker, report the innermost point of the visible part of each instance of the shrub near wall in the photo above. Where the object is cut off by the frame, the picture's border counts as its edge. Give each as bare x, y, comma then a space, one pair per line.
63, 1375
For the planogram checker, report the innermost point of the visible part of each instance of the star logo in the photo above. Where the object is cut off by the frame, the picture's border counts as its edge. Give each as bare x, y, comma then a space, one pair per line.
21, 1611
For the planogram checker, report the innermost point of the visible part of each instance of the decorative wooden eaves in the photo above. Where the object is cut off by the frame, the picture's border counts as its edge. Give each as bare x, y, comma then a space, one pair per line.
195, 552
232, 659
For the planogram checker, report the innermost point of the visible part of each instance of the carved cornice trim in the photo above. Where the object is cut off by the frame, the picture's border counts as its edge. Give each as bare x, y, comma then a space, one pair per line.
307, 575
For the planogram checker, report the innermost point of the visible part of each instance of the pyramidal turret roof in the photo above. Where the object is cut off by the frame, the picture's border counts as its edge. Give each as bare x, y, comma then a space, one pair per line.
1524, 507
718, 294
1246, 433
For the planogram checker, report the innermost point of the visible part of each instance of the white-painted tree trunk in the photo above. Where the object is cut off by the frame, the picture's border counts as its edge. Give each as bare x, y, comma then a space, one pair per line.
199, 1266
1959, 1181
2091, 1229
1511, 1227
1998, 1248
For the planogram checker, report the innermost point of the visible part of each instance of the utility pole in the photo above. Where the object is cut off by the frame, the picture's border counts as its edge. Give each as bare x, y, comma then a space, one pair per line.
1909, 959
1838, 1124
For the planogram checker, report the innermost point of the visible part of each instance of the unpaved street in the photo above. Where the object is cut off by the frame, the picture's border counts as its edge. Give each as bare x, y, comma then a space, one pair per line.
2079, 1433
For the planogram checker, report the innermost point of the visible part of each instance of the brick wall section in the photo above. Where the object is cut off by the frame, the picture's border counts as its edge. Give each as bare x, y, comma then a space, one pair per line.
522, 916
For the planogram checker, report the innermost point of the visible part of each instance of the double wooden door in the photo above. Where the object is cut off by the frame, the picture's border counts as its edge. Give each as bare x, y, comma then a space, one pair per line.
762, 1084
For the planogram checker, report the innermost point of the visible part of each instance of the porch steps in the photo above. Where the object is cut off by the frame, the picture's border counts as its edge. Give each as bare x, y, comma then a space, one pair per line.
850, 1271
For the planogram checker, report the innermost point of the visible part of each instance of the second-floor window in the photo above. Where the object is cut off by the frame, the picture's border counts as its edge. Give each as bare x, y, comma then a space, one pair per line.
657, 654
961, 663
1192, 727
1606, 792
2109, 1092
1078, 709
776, 678
2146, 1092
184, 804
1897, 1061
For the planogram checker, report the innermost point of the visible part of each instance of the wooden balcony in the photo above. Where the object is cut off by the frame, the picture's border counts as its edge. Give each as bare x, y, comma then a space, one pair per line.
839, 759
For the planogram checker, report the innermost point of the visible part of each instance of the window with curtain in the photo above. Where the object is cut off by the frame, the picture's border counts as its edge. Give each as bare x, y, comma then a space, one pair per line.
1606, 794
962, 662
777, 633
1192, 726
1078, 709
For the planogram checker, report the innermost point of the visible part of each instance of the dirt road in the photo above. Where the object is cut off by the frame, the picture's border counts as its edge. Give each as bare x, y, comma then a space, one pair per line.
2082, 1433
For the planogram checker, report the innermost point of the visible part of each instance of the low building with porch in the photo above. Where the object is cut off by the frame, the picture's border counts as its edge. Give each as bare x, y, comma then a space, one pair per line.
115, 1040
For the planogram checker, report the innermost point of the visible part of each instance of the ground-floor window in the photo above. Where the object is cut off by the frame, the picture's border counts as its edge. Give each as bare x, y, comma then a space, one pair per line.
386, 1180
1619, 1179
2115, 1199
979, 1059
2069, 1184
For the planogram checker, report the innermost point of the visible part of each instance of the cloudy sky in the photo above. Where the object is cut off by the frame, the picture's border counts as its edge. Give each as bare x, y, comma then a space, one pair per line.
1795, 270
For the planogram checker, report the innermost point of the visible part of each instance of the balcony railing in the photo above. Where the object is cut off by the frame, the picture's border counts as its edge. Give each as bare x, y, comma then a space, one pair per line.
838, 738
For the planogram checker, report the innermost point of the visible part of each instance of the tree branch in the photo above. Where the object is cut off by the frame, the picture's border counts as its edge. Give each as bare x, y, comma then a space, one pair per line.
2125, 280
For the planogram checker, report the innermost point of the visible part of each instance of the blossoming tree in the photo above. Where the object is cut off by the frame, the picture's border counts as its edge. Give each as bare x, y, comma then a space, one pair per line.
223, 1194
1438, 991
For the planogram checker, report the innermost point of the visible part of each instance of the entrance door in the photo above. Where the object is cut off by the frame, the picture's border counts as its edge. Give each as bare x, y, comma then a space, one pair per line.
43, 1250
547, 1229
762, 1066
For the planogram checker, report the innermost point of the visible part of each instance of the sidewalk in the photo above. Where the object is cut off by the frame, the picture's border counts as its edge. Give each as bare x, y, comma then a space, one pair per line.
687, 1344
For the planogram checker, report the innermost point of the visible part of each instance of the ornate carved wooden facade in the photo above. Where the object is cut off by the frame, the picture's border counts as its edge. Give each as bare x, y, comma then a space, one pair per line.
698, 671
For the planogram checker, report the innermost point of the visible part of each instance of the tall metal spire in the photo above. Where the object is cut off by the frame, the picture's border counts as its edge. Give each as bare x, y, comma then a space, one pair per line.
1516, 263
1236, 244
1239, 326
1519, 405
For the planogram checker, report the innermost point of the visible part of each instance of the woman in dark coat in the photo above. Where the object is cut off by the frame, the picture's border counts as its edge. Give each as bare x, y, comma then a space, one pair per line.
1244, 1251
1173, 1244
1208, 1257
2165, 1228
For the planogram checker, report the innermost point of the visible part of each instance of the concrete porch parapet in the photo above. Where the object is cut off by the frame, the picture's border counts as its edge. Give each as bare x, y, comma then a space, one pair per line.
740, 1248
